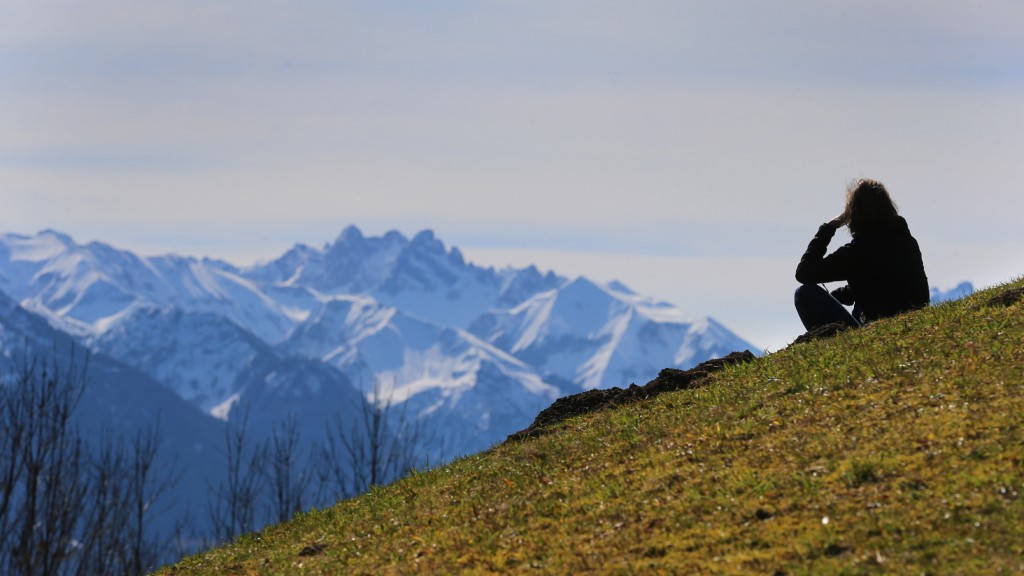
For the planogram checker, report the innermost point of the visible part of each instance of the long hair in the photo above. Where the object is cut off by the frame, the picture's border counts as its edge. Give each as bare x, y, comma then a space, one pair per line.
869, 206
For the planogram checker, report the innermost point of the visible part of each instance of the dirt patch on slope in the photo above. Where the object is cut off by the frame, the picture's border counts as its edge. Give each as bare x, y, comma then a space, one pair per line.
668, 380
1007, 298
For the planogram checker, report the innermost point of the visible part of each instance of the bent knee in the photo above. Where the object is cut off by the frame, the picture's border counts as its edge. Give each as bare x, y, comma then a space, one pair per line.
805, 290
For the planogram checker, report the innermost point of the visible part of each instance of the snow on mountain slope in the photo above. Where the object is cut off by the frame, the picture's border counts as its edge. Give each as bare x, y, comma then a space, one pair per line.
86, 289
48, 272
198, 355
229, 373
443, 375
206, 286
585, 336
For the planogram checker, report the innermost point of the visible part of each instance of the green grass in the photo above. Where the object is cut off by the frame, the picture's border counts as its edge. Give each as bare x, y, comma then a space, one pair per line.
897, 448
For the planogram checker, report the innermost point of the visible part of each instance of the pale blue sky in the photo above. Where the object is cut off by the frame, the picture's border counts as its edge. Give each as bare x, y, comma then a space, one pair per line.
687, 148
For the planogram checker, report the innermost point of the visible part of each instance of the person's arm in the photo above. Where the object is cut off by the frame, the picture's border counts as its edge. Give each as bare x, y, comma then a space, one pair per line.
814, 267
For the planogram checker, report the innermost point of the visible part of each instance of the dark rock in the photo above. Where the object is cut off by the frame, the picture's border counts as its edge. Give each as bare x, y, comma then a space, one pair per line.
1007, 298
312, 550
833, 550
668, 380
821, 332
671, 379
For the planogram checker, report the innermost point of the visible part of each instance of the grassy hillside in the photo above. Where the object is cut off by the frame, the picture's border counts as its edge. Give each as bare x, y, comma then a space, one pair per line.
896, 448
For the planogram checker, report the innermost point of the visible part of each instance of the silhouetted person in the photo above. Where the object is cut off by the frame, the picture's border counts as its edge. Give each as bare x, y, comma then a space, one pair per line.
882, 264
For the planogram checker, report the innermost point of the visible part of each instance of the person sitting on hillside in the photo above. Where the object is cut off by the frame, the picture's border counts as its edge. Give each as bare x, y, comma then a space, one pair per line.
882, 264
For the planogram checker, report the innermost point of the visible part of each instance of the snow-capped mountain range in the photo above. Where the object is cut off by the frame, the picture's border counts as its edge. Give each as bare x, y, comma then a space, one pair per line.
474, 353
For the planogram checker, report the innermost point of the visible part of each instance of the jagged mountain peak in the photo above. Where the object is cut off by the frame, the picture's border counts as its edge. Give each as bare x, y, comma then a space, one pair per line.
44, 245
421, 276
426, 241
583, 287
57, 236
349, 235
618, 286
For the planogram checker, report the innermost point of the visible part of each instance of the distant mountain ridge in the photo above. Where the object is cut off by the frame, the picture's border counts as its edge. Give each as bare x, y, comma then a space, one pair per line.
475, 353
957, 292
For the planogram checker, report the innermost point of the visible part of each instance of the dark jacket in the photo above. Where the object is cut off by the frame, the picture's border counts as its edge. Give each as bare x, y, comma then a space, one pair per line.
883, 269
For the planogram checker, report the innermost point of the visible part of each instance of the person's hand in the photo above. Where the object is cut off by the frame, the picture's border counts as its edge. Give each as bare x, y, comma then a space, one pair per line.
841, 220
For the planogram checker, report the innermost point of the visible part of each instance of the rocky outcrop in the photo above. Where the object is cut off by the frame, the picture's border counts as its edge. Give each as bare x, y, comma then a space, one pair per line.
668, 380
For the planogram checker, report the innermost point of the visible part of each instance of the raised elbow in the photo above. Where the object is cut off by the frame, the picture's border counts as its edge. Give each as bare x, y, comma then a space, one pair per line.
803, 276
